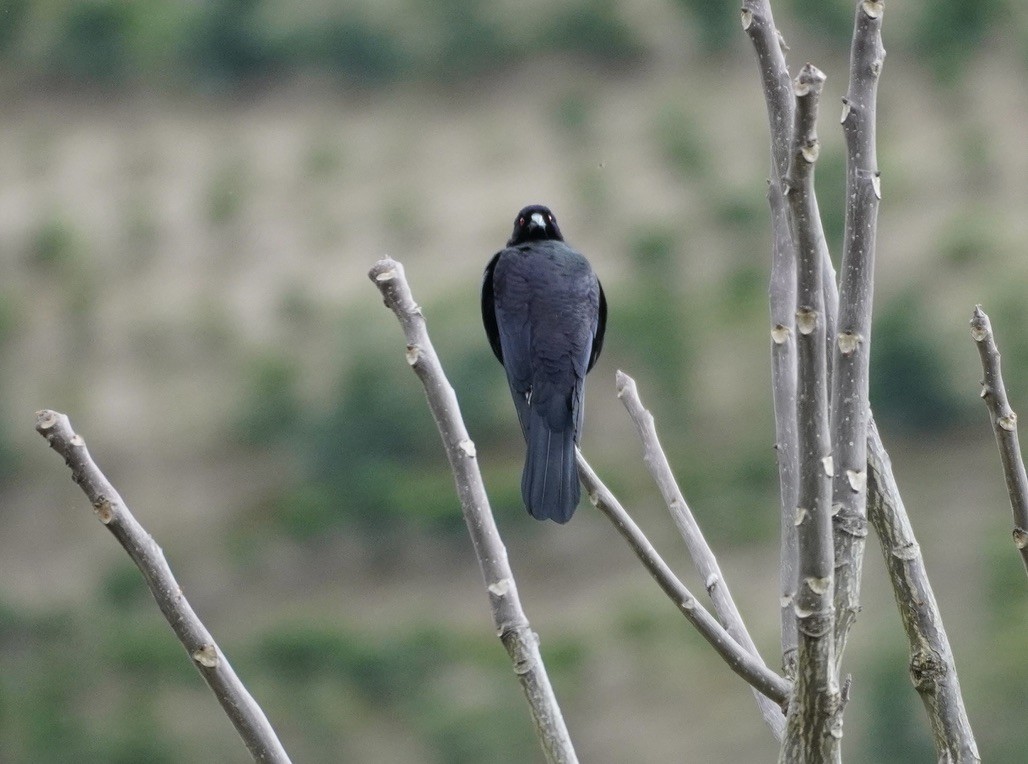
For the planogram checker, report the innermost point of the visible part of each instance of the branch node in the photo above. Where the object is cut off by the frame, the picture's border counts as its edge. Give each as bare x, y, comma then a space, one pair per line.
851, 524
811, 150
1020, 538
104, 510
849, 342
813, 624
413, 355
468, 447
1008, 421
206, 656
926, 669
622, 383
818, 585
500, 588
746, 17
809, 79
806, 320
847, 109
46, 419
828, 464
386, 275
873, 9
857, 480
780, 334
909, 551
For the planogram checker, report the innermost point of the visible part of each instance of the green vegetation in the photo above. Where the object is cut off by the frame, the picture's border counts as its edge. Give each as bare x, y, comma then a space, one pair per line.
227, 43
911, 387
105, 689
54, 245
231, 43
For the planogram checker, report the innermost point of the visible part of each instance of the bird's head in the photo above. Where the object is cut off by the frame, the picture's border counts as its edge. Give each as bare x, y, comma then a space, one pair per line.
535, 223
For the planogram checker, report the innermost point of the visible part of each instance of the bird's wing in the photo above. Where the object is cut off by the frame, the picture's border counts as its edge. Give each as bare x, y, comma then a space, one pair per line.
489, 308
601, 327
506, 298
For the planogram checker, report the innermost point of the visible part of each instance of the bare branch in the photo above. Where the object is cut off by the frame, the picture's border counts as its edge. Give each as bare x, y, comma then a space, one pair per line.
700, 552
1004, 424
759, 24
851, 351
932, 667
511, 622
744, 663
814, 726
248, 718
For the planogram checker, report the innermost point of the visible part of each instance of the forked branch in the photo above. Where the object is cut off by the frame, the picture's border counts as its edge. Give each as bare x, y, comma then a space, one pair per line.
744, 663
248, 718
699, 550
942, 701
511, 622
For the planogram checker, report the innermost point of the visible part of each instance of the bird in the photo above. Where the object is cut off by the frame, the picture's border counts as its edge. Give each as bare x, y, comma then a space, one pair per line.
545, 315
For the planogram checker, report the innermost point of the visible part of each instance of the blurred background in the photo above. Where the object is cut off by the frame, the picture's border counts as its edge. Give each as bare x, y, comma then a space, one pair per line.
191, 194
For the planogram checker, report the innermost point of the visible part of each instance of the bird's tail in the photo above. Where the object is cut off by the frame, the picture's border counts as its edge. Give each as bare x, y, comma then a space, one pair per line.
549, 484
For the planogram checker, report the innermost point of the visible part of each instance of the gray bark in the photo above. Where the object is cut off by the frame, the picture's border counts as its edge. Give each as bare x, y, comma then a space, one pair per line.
758, 22
851, 351
1004, 424
512, 624
815, 713
699, 550
243, 711
932, 668
744, 663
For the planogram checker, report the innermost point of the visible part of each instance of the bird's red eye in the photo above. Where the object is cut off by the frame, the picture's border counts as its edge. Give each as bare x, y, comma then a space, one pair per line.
521, 221
552, 220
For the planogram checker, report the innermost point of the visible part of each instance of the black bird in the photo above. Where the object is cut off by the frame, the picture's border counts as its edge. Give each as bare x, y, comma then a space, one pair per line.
545, 313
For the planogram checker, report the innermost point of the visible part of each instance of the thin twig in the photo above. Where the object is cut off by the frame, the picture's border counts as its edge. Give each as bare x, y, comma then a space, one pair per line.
1004, 424
932, 667
815, 724
512, 624
851, 352
699, 550
744, 663
759, 24
248, 718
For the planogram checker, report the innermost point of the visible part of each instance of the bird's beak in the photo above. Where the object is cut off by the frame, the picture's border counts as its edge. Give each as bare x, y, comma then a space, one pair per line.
538, 221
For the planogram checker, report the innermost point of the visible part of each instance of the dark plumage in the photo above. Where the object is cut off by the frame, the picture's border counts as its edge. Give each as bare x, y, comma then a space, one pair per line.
545, 313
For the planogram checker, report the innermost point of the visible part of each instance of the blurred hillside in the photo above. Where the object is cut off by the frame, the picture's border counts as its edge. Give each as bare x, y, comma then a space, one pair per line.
191, 196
